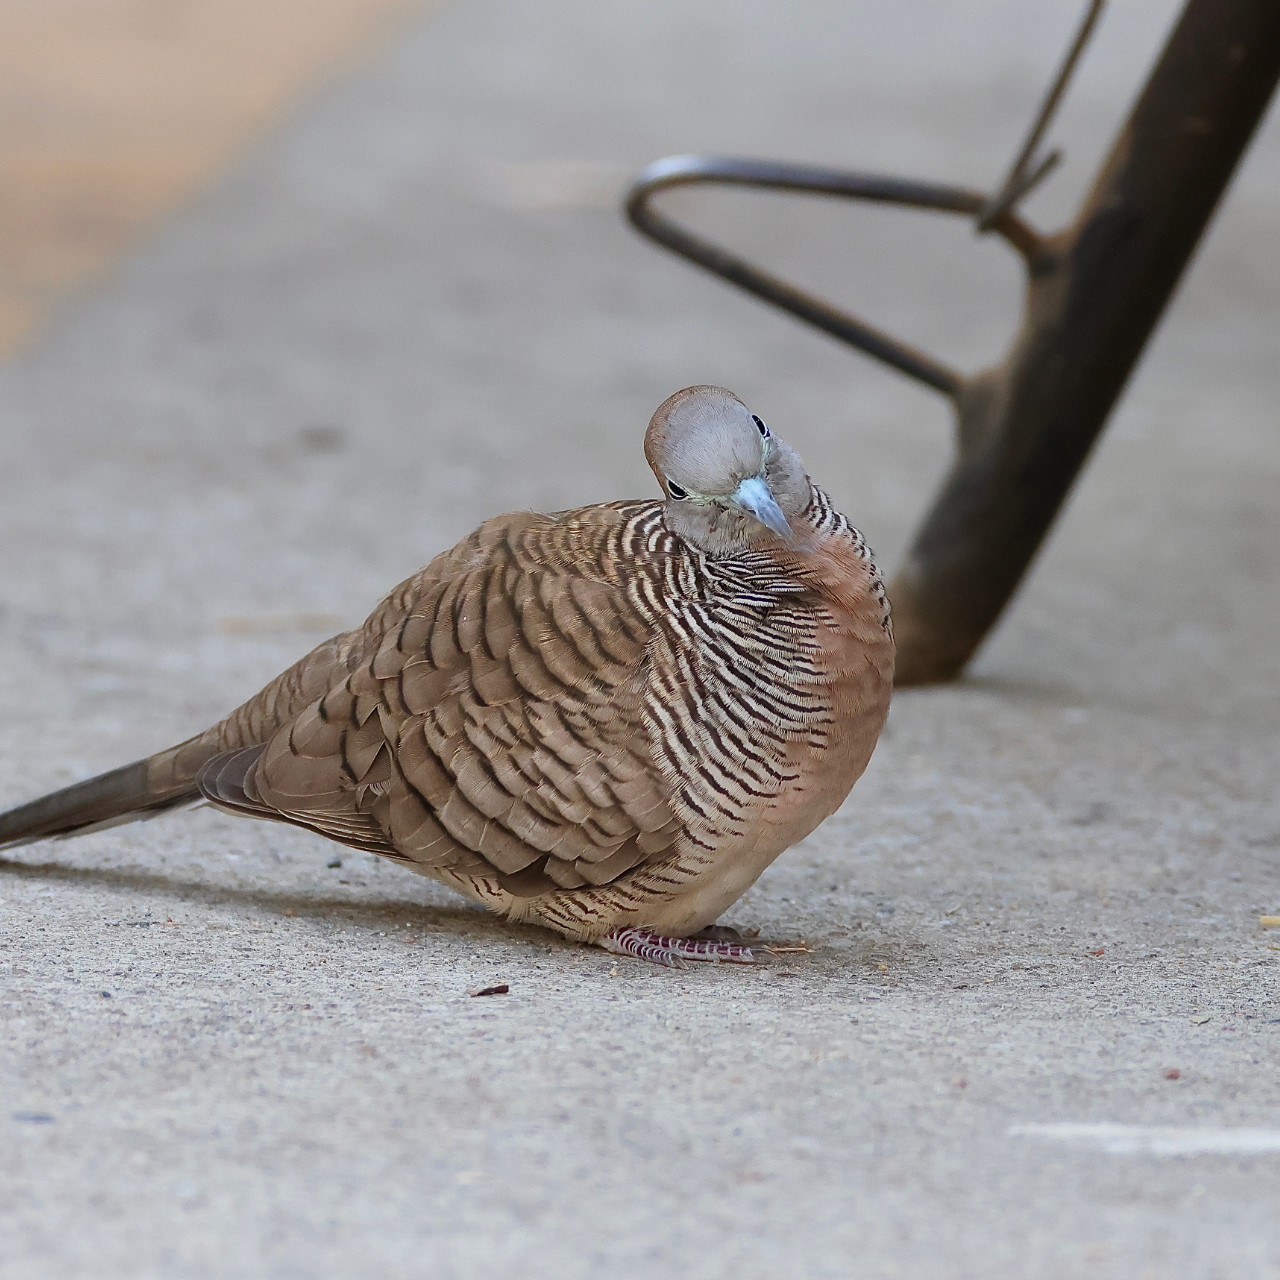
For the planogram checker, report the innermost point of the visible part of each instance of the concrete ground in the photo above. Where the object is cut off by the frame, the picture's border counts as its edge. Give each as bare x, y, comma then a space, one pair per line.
1037, 1032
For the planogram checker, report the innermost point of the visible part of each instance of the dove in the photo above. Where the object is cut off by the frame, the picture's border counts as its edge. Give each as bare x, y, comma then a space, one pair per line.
606, 721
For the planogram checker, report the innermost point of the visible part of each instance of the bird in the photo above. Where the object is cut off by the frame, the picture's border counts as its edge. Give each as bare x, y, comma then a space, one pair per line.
607, 721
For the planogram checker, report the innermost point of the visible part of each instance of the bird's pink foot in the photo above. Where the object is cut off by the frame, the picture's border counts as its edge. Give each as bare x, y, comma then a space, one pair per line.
644, 944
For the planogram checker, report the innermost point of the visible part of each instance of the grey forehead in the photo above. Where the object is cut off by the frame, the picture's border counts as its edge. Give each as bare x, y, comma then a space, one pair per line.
711, 444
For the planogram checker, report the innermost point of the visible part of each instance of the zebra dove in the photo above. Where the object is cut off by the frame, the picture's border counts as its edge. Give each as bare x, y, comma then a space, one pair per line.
606, 721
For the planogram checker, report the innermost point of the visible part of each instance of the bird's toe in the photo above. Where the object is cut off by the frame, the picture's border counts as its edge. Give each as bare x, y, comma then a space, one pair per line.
644, 944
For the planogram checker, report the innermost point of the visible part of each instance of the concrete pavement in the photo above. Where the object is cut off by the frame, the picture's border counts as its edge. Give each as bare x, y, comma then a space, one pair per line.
411, 307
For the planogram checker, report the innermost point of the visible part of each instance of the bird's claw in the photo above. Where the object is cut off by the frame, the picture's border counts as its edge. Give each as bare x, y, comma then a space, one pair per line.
644, 944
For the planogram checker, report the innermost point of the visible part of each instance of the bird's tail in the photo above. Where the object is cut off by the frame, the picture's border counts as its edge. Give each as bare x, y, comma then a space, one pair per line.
168, 779
138, 790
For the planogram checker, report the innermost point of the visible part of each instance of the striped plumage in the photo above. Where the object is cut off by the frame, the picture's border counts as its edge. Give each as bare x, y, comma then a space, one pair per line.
593, 720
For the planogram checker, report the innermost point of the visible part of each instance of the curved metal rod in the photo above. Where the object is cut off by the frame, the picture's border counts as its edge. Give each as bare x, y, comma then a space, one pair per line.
679, 171
1026, 172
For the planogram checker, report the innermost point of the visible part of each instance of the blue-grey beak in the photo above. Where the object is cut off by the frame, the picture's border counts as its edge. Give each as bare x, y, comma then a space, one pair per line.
753, 497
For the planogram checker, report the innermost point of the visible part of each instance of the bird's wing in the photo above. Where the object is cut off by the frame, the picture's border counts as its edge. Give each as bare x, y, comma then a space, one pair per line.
495, 725
226, 781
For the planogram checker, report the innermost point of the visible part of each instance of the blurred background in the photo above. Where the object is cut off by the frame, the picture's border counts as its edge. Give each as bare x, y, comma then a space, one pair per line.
301, 327
115, 112
293, 293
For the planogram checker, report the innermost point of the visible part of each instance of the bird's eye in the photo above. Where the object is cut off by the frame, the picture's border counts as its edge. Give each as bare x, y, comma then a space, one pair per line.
760, 427
676, 491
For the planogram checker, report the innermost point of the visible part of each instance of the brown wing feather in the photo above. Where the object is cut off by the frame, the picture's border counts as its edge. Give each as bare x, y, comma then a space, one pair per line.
493, 723
226, 780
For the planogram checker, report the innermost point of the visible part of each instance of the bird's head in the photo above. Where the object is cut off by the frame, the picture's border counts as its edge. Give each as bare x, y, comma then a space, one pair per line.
729, 481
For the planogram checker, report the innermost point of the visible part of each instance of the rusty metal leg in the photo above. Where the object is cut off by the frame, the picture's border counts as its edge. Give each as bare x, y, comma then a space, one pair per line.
1095, 293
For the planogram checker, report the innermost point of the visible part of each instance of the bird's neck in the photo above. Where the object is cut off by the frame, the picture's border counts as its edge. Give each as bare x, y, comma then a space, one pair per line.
834, 565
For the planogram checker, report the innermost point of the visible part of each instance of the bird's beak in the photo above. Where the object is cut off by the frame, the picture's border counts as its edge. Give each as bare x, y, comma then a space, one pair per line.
755, 498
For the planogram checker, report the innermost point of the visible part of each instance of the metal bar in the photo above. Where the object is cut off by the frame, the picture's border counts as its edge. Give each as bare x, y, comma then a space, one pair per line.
1023, 176
677, 171
1096, 293
782, 175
